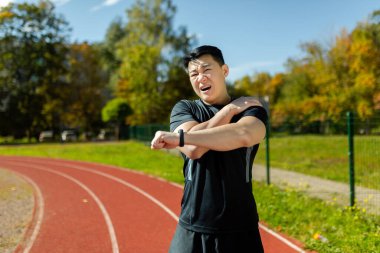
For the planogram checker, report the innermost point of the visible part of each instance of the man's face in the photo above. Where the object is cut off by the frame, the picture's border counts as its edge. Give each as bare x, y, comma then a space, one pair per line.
208, 79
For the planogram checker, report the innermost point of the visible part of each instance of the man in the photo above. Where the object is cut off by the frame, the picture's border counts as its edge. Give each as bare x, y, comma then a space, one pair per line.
218, 137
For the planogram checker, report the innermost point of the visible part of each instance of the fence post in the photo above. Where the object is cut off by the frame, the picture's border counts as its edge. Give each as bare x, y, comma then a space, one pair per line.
350, 133
267, 151
266, 105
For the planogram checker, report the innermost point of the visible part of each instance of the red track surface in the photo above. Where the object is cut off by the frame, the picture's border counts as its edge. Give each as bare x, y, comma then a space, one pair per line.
88, 207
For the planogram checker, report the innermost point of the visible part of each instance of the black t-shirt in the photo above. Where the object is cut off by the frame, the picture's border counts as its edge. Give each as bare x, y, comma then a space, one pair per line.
217, 194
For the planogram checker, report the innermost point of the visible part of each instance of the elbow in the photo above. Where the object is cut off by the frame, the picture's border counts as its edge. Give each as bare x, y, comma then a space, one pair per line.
247, 140
194, 153
194, 156
250, 138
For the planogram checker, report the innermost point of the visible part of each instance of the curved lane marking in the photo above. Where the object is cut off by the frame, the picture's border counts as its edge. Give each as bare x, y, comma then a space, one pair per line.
111, 230
266, 229
40, 206
127, 184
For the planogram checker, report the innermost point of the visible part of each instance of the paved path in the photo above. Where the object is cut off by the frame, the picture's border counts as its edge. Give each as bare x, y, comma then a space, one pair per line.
321, 188
88, 207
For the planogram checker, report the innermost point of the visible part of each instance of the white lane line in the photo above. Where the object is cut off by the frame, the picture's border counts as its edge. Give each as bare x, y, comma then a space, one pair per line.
39, 209
266, 229
282, 239
125, 183
111, 230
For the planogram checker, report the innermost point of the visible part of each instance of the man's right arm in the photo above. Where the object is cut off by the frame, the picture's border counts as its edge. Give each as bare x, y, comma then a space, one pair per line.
222, 117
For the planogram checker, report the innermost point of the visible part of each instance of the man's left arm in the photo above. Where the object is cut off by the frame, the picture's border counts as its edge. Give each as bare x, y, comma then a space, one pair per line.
246, 132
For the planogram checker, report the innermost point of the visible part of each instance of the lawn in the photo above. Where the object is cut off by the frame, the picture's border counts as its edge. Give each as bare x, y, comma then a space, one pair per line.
126, 154
326, 157
289, 211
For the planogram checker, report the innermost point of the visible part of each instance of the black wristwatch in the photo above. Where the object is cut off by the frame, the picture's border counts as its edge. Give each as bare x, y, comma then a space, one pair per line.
181, 138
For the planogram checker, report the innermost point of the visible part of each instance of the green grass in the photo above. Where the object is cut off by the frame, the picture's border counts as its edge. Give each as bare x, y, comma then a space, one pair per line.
129, 154
326, 157
290, 211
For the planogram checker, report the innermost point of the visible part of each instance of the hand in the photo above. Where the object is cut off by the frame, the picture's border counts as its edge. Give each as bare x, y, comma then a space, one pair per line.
166, 140
242, 103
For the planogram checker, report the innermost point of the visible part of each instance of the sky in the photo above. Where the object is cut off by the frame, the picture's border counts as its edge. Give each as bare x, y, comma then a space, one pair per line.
254, 35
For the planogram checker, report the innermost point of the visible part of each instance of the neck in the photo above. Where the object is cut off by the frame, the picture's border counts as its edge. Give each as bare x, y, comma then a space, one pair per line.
222, 101
227, 99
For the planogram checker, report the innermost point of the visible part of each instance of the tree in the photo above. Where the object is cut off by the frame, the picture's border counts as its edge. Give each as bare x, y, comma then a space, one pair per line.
326, 82
257, 85
243, 86
84, 95
108, 51
364, 66
146, 77
32, 67
115, 113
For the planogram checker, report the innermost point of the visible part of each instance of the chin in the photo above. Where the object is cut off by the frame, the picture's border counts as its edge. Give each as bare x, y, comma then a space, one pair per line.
208, 101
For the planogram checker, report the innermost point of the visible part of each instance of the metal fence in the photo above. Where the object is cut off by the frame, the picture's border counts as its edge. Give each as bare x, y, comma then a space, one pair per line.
365, 163
347, 153
145, 133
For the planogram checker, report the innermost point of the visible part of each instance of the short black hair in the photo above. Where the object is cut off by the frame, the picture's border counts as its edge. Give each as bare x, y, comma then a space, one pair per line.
215, 53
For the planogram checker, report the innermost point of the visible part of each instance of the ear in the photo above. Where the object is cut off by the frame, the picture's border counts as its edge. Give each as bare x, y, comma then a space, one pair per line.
225, 70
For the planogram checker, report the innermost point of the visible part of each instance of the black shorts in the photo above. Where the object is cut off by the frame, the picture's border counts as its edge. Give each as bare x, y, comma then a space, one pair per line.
185, 241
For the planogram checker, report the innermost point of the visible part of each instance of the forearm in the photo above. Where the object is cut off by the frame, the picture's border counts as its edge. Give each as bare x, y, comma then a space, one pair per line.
223, 117
246, 132
216, 133
227, 137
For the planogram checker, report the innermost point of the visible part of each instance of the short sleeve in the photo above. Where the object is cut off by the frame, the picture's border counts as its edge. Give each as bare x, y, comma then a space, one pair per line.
258, 112
182, 112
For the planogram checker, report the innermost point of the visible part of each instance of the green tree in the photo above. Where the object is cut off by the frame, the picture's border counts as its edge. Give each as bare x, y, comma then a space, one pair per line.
115, 113
108, 50
147, 78
243, 86
325, 82
365, 66
85, 93
32, 67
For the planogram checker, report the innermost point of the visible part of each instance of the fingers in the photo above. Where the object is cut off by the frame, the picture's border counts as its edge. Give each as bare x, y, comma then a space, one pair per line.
242, 103
157, 142
248, 101
254, 102
164, 140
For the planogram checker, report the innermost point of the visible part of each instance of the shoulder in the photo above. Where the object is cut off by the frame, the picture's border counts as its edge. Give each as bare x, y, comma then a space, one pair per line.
185, 104
183, 111
256, 111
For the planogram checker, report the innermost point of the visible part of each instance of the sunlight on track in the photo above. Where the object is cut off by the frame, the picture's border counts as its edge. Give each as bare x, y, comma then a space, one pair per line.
274, 240
133, 187
111, 230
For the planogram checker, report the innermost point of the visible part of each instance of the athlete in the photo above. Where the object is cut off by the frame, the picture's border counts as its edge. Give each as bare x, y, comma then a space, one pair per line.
218, 137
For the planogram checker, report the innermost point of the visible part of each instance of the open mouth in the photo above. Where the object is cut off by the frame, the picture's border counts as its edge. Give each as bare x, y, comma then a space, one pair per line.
205, 88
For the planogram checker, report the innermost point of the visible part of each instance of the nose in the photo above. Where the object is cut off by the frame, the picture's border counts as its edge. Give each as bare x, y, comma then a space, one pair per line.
202, 78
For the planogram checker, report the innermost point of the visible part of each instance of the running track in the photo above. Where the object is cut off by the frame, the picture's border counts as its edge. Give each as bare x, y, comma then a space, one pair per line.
88, 207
